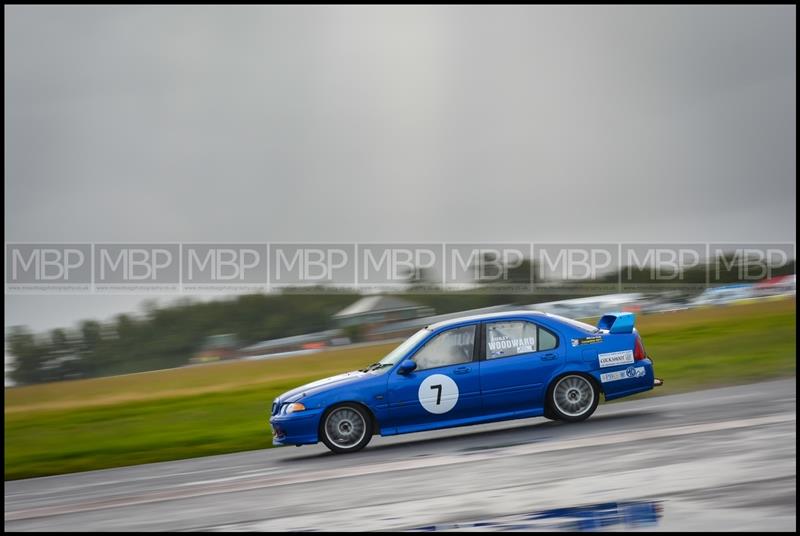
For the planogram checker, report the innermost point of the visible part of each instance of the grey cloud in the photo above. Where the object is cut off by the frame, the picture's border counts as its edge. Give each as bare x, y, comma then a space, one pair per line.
399, 124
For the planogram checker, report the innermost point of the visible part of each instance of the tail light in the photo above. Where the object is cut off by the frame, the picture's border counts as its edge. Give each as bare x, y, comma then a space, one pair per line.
638, 350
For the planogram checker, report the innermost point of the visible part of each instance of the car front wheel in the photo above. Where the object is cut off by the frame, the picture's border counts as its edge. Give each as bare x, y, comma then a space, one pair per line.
346, 428
573, 398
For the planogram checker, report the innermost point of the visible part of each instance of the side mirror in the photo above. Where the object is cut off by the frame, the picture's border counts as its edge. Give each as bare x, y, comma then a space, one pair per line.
406, 367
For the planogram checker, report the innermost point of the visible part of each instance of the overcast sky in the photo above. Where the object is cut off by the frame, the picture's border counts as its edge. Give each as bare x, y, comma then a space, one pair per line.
394, 124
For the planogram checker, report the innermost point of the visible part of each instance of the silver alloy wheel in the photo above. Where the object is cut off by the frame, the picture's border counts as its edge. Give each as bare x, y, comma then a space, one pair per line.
345, 427
573, 395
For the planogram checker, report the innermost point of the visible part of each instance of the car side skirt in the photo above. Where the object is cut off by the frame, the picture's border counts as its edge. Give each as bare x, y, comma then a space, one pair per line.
468, 421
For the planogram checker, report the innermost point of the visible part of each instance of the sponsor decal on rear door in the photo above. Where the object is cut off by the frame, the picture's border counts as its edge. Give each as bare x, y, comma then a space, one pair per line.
586, 340
612, 359
630, 372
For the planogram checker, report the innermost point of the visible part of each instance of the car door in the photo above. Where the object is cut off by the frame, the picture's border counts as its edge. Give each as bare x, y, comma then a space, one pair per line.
444, 388
518, 359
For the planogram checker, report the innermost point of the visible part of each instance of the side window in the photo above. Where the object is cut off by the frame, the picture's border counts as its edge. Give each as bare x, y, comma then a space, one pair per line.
447, 348
506, 339
547, 340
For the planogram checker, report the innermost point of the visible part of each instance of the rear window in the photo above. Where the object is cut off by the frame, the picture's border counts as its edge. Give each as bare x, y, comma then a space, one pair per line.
547, 341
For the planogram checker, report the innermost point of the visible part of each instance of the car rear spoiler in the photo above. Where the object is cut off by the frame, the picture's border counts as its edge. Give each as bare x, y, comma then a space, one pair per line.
617, 322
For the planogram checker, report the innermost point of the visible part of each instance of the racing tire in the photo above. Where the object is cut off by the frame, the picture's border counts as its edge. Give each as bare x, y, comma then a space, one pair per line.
346, 428
548, 413
573, 398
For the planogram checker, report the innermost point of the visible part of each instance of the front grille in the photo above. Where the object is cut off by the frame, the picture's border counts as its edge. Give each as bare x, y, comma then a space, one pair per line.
275, 408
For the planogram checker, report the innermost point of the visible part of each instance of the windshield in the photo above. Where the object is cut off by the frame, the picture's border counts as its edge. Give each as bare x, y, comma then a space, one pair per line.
397, 354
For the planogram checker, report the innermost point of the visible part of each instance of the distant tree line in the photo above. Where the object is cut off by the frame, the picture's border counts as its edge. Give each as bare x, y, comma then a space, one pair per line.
168, 336
164, 337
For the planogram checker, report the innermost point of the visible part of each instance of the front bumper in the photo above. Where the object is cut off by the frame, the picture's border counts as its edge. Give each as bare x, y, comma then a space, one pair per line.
297, 428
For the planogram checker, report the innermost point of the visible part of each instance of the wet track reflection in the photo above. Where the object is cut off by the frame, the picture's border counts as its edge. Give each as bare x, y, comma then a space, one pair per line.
614, 516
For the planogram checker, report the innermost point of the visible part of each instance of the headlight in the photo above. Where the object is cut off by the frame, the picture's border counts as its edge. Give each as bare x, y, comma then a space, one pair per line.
295, 407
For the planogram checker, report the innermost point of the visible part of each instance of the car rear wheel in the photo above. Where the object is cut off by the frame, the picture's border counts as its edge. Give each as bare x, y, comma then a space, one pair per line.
548, 413
573, 398
346, 428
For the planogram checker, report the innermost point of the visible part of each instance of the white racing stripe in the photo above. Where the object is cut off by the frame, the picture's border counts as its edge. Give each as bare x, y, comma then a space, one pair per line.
197, 489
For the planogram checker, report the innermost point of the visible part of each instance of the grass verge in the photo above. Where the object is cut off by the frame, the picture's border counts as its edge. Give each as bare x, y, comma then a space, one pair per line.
196, 411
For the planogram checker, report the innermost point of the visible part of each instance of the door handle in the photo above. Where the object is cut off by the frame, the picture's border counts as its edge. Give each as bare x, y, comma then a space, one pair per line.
549, 357
462, 370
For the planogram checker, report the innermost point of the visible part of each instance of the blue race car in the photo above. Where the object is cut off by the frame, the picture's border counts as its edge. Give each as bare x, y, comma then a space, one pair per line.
471, 370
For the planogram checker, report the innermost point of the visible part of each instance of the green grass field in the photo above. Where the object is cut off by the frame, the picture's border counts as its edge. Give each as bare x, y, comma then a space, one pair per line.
214, 409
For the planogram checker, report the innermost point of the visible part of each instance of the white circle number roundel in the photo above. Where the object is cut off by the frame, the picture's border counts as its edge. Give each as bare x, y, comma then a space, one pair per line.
438, 393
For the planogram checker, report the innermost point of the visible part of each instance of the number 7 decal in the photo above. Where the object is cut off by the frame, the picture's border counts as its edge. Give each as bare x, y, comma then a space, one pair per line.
445, 397
438, 394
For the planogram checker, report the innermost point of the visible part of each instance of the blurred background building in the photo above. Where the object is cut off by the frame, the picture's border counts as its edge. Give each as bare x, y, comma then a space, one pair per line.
367, 316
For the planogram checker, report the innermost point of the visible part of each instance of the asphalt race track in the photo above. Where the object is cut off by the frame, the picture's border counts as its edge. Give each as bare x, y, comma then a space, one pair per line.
722, 459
